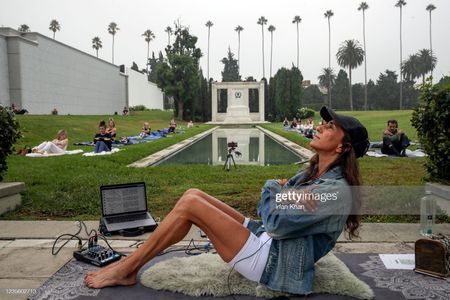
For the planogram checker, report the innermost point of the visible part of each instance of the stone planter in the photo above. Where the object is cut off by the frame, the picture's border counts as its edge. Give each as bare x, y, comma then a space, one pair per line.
10, 197
442, 194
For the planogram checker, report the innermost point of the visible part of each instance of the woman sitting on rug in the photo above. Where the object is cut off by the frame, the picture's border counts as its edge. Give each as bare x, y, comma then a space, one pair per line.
280, 250
58, 145
112, 130
102, 139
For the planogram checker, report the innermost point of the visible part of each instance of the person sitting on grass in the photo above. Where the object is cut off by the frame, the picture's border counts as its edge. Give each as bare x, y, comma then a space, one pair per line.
125, 111
145, 131
294, 123
285, 122
112, 130
190, 124
280, 250
395, 140
58, 145
172, 126
102, 140
308, 129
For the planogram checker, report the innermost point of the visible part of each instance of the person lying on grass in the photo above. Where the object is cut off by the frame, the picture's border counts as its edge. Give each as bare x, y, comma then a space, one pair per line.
102, 140
280, 250
58, 145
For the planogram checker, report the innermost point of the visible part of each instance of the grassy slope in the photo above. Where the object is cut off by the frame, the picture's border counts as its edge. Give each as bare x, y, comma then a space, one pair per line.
68, 186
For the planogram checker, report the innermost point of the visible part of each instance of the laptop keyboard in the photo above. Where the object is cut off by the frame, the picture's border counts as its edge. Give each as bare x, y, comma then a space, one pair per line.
122, 219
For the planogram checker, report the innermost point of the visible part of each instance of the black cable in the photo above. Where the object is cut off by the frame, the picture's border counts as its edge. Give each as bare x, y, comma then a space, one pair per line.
72, 236
232, 268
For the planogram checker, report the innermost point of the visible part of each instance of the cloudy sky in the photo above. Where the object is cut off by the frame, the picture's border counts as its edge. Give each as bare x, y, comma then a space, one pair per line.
81, 20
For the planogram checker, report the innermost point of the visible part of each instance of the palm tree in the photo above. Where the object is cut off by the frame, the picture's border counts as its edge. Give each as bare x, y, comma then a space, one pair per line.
430, 8
427, 62
112, 29
297, 20
350, 55
96, 44
271, 29
24, 28
410, 68
328, 14
262, 21
149, 36
363, 6
238, 29
400, 5
208, 24
169, 32
54, 26
327, 78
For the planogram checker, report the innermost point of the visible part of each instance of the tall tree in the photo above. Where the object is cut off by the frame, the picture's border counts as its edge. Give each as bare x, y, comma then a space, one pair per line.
328, 14
350, 55
410, 68
238, 29
363, 6
262, 21
24, 28
400, 5
96, 44
327, 79
341, 91
271, 29
296, 21
178, 75
430, 8
169, 32
149, 36
54, 26
427, 62
230, 68
112, 29
208, 24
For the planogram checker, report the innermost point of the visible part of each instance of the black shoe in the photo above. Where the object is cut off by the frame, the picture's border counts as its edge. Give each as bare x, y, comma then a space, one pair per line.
403, 153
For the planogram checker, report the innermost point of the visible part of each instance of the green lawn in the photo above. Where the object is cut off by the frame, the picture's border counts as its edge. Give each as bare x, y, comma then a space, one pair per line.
67, 187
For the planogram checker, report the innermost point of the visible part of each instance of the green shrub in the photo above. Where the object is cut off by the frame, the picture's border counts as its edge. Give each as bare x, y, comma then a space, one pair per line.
9, 134
432, 121
138, 108
305, 113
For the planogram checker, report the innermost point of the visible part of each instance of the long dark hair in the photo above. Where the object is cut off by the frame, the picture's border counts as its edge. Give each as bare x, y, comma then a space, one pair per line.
350, 171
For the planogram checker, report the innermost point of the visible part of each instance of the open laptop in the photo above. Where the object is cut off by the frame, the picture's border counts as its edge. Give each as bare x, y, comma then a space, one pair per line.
124, 207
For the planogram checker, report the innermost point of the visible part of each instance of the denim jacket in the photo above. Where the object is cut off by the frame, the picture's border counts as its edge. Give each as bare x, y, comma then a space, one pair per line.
300, 238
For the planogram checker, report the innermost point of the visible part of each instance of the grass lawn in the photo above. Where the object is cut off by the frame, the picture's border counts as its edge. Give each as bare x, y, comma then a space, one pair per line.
67, 187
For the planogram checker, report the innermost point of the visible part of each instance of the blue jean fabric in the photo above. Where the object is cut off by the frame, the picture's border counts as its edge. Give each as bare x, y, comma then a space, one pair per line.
100, 146
300, 238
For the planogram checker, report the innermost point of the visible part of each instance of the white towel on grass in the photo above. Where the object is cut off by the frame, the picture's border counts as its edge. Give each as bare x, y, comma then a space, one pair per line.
54, 154
113, 150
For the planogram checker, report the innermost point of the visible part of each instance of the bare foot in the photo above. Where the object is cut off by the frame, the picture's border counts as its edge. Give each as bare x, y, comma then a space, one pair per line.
124, 258
110, 277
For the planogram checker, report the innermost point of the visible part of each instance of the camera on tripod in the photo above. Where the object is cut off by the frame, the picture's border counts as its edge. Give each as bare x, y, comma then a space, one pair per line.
231, 148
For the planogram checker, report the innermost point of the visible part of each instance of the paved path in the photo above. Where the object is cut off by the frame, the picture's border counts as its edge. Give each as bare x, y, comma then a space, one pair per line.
26, 261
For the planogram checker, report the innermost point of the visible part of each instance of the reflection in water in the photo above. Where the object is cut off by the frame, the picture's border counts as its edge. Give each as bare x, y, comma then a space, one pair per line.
254, 147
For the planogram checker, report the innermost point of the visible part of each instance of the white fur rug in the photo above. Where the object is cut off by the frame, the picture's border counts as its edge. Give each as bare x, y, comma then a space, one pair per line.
207, 274
71, 152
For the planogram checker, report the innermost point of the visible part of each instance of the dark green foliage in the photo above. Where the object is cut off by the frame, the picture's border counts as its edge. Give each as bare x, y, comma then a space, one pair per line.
444, 82
387, 91
139, 107
9, 134
432, 121
178, 75
340, 91
285, 94
305, 113
313, 96
230, 69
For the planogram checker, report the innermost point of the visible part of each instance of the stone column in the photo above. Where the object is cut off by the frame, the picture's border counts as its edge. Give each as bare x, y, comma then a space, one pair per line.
213, 103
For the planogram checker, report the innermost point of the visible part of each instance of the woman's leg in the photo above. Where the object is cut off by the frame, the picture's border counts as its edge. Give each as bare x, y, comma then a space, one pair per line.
190, 209
52, 148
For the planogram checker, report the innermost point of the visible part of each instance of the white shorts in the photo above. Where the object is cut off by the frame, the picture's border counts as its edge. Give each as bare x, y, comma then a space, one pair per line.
252, 258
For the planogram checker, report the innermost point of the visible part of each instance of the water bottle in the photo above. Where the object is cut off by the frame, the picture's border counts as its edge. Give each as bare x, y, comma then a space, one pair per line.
427, 214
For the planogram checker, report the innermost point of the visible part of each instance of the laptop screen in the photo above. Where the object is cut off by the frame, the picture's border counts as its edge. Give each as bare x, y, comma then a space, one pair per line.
123, 198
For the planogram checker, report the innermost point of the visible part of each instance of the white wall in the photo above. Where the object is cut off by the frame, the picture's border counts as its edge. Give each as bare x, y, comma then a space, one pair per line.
4, 73
143, 92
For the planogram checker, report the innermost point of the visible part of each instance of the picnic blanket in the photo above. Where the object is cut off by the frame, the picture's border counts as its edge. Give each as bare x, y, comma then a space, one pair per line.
133, 140
409, 153
54, 154
113, 150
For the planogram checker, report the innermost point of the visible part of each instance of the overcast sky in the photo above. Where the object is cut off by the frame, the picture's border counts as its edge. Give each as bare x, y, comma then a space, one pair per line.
81, 20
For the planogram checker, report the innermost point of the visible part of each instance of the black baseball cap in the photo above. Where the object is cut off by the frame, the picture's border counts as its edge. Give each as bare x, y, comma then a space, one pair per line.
357, 132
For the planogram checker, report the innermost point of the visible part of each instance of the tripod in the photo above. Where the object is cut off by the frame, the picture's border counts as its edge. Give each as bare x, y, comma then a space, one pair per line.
228, 161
